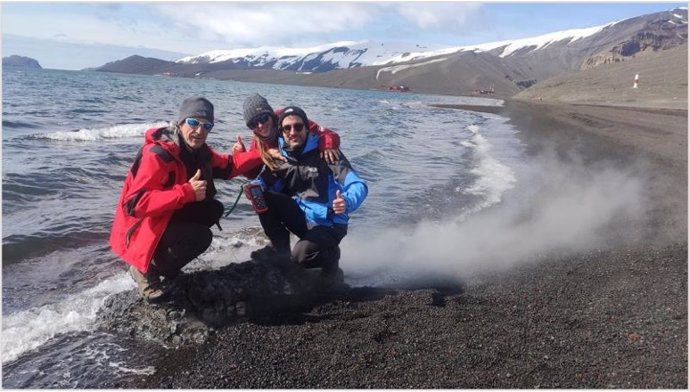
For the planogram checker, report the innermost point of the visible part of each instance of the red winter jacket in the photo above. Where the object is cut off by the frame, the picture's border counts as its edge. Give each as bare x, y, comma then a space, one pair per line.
157, 185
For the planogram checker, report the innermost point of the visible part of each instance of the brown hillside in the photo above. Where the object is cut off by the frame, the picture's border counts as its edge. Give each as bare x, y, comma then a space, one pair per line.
663, 79
663, 83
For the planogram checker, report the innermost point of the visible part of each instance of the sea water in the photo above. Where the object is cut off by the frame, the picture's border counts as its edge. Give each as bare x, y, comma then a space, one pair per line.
69, 138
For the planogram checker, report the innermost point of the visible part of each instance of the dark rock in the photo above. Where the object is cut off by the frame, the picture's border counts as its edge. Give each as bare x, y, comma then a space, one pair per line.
203, 300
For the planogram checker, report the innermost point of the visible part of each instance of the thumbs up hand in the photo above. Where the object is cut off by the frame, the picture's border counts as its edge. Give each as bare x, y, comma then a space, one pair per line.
198, 185
238, 146
339, 203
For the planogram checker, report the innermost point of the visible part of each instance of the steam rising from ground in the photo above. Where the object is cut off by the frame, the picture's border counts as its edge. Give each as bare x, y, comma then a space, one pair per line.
556, 206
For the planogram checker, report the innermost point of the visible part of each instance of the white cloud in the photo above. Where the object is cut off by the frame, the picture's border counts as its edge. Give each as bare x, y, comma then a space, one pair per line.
88, 25
200, 27
259, 24
439, 16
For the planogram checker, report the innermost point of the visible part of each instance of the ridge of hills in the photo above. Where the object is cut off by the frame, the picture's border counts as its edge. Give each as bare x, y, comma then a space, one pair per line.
653, 44
20, 61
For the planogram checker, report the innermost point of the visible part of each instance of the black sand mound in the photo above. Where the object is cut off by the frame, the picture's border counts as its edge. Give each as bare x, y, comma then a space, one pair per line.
200, 301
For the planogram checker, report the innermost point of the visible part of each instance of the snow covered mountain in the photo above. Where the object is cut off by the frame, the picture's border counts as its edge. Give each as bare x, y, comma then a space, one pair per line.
338, 55
504, 68
351, 54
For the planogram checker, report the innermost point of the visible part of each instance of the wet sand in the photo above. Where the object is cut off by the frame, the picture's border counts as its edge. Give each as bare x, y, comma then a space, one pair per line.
474, 108
614, 317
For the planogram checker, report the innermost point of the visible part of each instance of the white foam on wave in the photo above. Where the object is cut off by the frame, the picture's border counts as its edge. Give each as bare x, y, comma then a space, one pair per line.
493, 177
390, 104
122, 368
93, 134
29, 329
415, 104
225, 250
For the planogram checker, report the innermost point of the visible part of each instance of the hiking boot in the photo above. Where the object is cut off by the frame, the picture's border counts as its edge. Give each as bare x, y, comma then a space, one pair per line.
269, 253
149, 287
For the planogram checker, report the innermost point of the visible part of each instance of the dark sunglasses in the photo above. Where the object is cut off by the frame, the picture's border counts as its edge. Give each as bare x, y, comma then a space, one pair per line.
193, 122
260, 119
287, 128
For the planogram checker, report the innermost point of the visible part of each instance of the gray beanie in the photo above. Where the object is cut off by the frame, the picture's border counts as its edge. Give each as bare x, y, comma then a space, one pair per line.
196, 107
293, 111
255, 105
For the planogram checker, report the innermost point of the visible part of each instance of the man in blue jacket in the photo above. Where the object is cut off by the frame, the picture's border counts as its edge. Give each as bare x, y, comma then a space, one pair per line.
308, 197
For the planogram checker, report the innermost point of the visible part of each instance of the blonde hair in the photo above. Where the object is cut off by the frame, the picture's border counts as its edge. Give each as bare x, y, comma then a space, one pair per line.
265, 156
262, 144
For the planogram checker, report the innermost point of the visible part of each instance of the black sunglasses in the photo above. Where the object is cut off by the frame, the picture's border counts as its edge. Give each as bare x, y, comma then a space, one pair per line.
260, 119
287, 128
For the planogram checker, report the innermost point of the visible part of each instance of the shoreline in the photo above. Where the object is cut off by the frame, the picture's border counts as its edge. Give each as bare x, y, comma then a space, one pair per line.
474, 108
606, 318
660, 131
653, 144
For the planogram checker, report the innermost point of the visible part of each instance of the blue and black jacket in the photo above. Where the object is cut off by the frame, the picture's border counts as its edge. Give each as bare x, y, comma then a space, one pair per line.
313, 183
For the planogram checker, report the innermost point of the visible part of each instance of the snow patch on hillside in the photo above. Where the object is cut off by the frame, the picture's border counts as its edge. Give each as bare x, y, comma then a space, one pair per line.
349, 54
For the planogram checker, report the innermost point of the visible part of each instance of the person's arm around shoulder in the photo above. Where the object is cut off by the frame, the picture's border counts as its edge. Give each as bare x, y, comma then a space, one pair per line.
227, 166
329, 142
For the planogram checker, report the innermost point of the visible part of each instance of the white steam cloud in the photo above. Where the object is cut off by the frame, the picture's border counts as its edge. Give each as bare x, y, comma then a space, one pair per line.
559, 207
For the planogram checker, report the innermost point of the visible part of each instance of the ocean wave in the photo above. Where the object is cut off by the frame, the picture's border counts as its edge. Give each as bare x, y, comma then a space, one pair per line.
87, 111
91, 100
493, 177
77, 360
42, 241
29, 329
17, 124
128, 98
93, 134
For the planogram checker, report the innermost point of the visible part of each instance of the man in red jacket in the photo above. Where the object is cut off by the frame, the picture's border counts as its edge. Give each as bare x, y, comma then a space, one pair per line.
167, 206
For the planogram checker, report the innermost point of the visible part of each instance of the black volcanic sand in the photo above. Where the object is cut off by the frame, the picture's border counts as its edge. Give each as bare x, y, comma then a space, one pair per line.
607, 318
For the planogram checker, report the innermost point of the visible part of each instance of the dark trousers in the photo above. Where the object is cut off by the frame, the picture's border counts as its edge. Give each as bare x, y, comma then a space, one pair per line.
317, 247
187, 236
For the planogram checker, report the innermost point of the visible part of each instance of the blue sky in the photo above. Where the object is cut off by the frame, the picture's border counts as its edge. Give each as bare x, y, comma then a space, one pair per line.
63, 35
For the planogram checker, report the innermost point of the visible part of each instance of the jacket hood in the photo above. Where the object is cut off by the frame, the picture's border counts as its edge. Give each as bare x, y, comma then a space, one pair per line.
310, 144
167, 137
